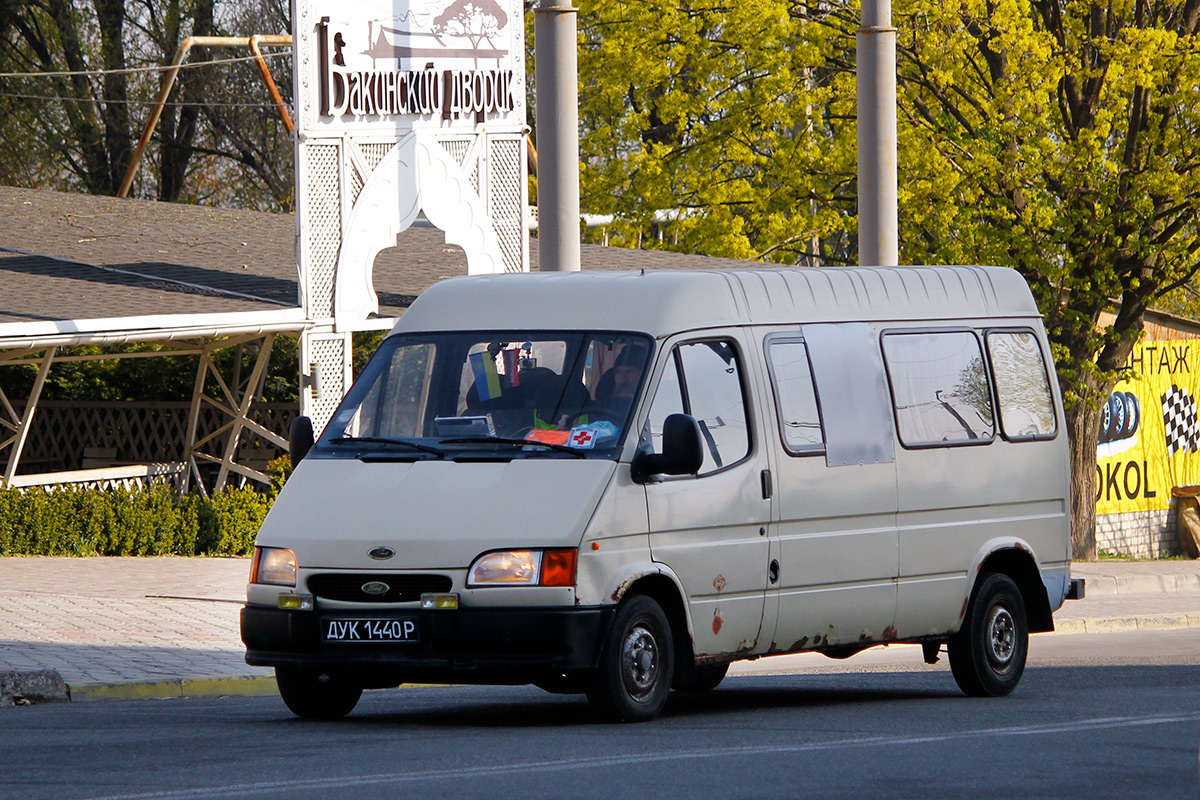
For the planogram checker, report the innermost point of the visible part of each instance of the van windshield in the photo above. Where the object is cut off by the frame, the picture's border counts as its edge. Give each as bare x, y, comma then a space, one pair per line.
517, 394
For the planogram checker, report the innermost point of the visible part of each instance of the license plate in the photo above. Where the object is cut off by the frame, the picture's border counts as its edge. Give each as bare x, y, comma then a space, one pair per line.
370, 630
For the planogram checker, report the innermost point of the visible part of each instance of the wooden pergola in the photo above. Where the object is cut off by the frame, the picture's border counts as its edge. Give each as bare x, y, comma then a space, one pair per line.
243, 321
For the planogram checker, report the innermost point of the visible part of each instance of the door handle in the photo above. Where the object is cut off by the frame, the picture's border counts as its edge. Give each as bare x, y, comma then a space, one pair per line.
773, 571
765, 476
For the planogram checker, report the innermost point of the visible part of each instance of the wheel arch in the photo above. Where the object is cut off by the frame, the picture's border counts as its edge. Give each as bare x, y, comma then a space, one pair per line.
665, 590
1018, 563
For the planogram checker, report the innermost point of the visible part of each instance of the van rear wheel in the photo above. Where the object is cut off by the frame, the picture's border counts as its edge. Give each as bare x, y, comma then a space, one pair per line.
987, 655
637, 663
311, 694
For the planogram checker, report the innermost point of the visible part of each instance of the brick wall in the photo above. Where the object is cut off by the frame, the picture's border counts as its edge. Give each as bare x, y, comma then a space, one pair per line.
1138, 534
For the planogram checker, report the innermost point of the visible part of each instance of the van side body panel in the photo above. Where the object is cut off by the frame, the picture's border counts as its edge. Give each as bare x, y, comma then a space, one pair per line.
834, 526
960, 502
711, 531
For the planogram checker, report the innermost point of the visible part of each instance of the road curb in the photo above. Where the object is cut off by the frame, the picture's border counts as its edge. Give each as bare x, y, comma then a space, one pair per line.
1122, 585
242, 686
1149, 622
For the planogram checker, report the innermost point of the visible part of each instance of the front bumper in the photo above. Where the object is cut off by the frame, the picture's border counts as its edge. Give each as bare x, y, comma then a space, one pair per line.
467, 645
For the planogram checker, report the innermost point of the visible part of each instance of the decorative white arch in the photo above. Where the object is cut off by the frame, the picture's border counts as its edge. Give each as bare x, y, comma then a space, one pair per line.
416, 174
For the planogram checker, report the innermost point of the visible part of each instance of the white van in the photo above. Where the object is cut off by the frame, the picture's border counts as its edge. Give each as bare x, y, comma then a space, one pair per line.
620, 483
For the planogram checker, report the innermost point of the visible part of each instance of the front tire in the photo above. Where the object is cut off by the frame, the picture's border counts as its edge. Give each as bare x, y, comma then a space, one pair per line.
987, 656
315, 695
637, 664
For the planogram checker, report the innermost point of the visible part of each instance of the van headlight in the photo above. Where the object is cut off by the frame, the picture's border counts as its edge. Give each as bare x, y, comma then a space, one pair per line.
524, 568
273, 565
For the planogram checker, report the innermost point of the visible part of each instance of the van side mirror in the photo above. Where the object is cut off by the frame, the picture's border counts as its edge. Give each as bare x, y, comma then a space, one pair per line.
682, 452
300, 439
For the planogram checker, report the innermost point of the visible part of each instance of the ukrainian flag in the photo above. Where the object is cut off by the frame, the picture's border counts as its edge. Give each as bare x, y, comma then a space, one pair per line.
487, 380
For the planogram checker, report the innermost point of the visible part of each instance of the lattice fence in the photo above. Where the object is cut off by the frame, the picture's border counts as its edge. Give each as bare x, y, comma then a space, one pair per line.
328, 352
507, 200
325, 223
138, 432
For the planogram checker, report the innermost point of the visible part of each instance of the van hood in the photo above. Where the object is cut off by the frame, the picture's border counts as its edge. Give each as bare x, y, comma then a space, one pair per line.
434, 514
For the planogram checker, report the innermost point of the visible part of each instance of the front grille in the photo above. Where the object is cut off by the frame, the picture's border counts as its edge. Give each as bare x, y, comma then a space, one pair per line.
401, 588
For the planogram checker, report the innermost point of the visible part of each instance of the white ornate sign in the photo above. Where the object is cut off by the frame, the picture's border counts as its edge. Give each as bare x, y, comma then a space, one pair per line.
441, 64
404, 108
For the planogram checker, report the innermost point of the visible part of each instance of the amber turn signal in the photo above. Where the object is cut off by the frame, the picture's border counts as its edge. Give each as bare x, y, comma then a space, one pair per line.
558, 567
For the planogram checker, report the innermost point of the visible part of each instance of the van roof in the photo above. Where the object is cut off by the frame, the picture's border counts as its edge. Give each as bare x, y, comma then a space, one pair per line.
667, 301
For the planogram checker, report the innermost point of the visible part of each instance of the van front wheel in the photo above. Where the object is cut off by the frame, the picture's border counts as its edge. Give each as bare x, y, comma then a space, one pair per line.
987, 656
314, 695
637, 663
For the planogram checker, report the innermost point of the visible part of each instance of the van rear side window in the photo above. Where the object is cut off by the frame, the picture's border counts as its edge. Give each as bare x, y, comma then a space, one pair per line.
1026, 405
795, 396
939, 388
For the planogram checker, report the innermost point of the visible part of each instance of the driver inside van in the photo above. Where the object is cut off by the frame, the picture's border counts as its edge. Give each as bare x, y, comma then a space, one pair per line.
598, 422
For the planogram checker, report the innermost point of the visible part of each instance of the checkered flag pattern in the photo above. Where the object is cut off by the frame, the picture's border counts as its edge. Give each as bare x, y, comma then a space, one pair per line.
1179, 420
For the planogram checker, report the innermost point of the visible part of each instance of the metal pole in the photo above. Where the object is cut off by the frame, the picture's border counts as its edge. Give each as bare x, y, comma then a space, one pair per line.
164, 92
18, 441
265, 73
556, 71
877, 205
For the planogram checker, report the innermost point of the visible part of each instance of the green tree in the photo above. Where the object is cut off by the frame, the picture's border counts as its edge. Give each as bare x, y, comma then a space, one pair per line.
78, 94
1059, 138
720, 128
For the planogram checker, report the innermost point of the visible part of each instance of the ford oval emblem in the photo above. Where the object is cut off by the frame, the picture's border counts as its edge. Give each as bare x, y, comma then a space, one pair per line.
375, 588
381, 553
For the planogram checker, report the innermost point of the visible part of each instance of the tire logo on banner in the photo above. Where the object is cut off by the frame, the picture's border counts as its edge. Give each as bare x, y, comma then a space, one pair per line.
1120, 417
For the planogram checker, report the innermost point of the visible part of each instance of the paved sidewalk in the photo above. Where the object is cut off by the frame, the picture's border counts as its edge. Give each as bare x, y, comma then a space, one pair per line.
129, 627
159, 627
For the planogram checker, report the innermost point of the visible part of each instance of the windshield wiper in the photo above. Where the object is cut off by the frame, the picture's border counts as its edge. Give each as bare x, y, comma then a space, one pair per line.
562, 448
424, 448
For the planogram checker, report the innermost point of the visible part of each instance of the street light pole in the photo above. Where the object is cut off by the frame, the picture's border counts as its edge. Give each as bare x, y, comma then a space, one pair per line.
556, 71
877, 204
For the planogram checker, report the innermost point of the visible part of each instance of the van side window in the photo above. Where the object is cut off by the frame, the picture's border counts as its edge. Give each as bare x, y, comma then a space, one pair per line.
1022, 385
704, 379
795, 396
939, 388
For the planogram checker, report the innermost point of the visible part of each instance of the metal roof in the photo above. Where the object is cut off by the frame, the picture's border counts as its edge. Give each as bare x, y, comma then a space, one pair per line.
661, 302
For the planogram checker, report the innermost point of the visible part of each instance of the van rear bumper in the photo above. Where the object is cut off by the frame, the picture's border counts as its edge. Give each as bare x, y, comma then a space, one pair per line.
467, 645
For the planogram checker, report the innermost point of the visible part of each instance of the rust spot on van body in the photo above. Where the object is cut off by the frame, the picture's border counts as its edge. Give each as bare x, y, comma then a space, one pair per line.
719, 582
717, 622
620, 591
799, 644
889, 634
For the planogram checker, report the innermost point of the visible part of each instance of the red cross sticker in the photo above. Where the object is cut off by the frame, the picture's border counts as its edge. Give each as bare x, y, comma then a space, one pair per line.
583, 437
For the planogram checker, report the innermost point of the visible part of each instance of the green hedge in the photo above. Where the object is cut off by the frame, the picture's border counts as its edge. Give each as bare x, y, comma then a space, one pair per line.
72, 521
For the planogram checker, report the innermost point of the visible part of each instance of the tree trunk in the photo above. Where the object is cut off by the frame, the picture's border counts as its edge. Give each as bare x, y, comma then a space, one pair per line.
1083, 435
117, 137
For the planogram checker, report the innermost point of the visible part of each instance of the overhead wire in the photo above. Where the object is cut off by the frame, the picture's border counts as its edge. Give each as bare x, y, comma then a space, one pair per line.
214, 104
132, 70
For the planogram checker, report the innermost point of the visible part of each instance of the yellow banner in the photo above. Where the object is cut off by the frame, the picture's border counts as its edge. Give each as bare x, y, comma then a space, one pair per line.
1149, 437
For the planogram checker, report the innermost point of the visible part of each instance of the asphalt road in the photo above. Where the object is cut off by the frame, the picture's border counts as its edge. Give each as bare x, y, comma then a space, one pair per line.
1097, 716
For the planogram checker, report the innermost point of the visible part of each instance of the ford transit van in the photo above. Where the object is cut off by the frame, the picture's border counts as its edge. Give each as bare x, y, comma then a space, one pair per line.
619, 483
